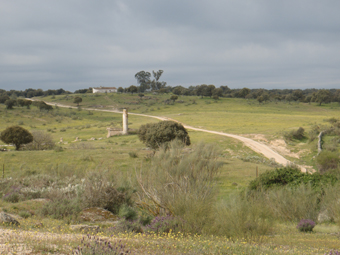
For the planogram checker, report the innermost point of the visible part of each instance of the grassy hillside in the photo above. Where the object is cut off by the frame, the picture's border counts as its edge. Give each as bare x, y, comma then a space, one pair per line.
231, 115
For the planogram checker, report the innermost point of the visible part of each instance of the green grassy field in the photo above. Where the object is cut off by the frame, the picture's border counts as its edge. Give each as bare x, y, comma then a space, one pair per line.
231, 115
110, 152
236, 116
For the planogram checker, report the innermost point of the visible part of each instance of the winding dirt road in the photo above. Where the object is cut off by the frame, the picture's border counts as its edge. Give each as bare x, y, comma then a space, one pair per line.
253, 145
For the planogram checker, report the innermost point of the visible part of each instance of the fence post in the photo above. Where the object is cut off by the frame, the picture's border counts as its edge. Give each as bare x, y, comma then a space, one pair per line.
257, 171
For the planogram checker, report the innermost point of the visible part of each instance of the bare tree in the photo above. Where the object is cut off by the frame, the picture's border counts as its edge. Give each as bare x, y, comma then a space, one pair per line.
41, 141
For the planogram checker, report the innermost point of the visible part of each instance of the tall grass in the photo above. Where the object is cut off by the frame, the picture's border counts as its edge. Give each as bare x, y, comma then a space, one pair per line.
293, 203
330, 205
242, 217
181, 183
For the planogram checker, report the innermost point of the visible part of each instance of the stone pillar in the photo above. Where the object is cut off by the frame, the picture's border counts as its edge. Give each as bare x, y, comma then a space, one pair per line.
125, 122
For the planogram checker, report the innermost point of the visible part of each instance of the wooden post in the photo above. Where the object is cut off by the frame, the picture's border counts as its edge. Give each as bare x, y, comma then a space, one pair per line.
3, 171
257, 171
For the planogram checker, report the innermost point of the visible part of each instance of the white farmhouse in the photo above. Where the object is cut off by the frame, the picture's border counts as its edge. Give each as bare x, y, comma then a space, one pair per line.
104, 90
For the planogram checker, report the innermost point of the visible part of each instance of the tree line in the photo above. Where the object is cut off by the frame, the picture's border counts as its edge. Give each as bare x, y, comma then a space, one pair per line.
150, 82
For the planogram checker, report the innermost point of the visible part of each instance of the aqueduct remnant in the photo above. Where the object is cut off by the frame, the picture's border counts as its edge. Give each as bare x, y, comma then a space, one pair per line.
119, 131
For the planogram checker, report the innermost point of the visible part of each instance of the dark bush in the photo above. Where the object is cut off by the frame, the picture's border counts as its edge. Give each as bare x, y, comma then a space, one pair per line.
156, 134
10, 103
16, 135
298, 134
290, 176
42, 105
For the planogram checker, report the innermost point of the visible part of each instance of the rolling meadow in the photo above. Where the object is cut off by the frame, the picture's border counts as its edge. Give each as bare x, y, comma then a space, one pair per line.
48, 189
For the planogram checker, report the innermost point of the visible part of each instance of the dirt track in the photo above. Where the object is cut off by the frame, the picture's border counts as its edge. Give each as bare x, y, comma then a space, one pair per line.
255, 146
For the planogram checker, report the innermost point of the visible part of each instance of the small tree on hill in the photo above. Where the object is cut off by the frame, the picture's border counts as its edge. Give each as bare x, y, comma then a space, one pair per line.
16, 135
10, 103
28, 103
4, 98
42, 105
23, 102
132, 89
156, 134
77, 100
174, 98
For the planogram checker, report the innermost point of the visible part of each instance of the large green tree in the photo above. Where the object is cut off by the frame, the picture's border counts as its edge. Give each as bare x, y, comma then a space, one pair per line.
16, 135
132, 89
77, 100
155, 135
143, 78
10, 103
322, 96
155, 83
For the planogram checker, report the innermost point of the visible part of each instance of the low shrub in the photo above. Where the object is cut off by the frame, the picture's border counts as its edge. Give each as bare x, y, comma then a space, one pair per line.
25, 214
181, 183
329, 208
100, 191
94, 245
306, 225
133, 154
58, 149
239, 217
298, 134
292, 203
327, 160
291, 176
164, 224
61, 207
127, 212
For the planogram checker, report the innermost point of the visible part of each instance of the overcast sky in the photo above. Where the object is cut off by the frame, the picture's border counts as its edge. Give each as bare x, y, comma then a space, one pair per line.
74, 44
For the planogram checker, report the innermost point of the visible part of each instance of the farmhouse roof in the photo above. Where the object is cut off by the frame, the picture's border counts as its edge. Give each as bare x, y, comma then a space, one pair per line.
106, 88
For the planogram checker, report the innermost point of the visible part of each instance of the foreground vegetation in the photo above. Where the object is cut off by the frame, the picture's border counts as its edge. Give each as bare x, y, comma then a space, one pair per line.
212, 212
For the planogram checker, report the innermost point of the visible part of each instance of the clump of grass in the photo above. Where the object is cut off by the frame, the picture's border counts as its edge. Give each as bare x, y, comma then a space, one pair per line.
240, 217
127, 212
86, 158
133, 154
58, 149
61, 207
25, 214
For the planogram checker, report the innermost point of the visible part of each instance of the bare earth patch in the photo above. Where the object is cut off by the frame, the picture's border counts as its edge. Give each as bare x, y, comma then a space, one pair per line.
280, 146
257, 137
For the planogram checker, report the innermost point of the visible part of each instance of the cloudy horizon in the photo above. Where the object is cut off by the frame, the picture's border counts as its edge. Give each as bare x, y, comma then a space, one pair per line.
78, 44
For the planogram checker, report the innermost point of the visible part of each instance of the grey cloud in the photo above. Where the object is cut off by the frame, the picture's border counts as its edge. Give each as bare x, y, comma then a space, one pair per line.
81, 43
